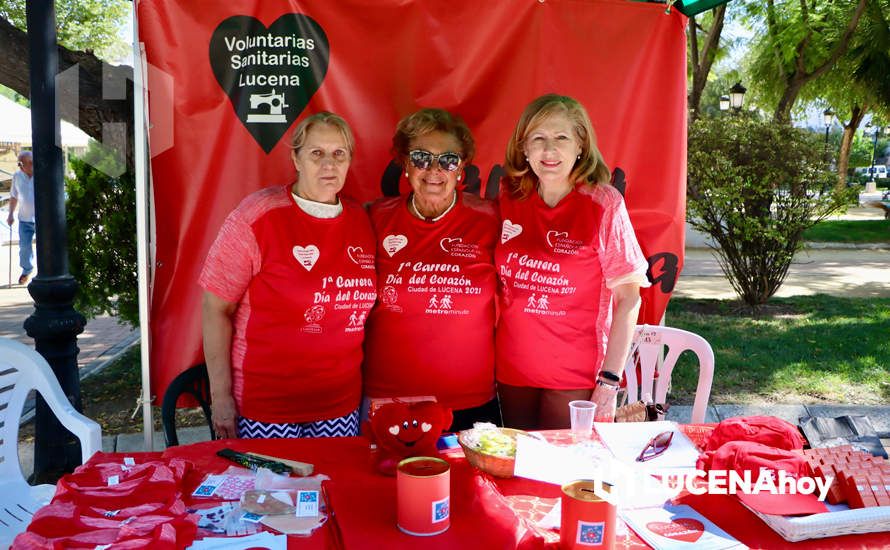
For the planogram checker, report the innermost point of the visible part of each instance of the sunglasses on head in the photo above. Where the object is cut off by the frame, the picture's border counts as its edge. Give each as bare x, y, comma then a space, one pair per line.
423, 160
656, 446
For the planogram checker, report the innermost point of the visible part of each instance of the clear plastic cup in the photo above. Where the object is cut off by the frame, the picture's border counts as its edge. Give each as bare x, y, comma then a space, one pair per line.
581, 415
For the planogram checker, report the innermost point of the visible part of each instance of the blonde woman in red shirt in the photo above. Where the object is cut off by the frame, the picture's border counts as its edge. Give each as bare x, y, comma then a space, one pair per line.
570, 271
287, 287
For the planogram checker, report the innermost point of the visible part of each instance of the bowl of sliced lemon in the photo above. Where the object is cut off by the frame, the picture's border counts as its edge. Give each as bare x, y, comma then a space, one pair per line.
490, 448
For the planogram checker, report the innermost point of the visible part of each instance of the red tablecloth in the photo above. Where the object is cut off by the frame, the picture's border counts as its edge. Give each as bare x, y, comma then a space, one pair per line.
485, 512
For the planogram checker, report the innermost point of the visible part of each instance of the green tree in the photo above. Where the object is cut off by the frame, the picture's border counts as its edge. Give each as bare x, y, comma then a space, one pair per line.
100, 210
82, 25
859, 83
86, 28
798, 42
863, 145
754, 187
101, 220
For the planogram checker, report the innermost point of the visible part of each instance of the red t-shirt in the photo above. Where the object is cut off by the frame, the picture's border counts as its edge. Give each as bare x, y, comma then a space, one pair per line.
432, 332
304, 287
553, 265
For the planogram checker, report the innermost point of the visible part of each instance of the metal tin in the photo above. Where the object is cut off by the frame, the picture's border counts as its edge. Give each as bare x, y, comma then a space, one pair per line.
587, 521
423, 495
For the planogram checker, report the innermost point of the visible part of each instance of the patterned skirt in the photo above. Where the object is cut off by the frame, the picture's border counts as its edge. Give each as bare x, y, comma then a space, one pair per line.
344, 426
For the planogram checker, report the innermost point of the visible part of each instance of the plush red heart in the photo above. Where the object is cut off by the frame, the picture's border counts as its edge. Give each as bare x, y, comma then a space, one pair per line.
682, 529
407, 429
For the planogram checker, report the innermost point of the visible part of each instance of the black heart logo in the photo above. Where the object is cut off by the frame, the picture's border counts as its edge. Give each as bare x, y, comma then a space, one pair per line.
269, 73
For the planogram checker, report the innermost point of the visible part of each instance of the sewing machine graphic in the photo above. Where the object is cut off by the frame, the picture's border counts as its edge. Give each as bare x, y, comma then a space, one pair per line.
274, 101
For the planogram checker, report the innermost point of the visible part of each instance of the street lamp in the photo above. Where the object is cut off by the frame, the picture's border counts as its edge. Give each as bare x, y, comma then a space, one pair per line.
827, 116
875, 130
724, 103
736, 95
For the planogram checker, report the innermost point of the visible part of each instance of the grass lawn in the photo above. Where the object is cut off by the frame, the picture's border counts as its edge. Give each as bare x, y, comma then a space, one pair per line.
849, 231
804, 349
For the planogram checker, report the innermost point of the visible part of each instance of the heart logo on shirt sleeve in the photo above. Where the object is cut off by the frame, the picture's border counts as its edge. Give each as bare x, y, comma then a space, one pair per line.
553, 235
394, 243
682, 529
306, 255
509, 230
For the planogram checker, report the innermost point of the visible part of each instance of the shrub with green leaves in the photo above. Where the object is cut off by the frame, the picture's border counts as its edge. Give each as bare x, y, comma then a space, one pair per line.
754, 187
101, 217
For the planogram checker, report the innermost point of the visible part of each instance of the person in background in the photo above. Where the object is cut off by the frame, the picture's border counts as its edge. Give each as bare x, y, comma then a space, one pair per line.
432, 331
570, 271
21, 195
287, 286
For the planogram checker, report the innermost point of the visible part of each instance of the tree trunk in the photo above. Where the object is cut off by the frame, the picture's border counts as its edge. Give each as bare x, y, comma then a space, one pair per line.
843, 159
94, 110
702, 61
782, 114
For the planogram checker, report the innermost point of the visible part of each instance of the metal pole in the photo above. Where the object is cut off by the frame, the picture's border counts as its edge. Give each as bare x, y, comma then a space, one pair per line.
874, 148
55, 324
9, 245
140, 126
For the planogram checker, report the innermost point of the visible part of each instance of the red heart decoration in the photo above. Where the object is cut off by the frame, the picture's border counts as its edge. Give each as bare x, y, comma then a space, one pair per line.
683, 529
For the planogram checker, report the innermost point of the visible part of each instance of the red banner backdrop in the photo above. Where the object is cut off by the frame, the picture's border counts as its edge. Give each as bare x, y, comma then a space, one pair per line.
239, 74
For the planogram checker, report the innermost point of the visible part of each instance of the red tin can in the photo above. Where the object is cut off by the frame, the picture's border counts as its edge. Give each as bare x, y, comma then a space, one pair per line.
587, 520
423, 495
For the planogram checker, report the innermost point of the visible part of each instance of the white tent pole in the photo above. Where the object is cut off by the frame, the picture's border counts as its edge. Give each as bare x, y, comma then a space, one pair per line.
141, 161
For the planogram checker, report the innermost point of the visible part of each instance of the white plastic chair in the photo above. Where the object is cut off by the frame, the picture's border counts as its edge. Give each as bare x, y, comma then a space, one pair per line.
21, 370
647, 351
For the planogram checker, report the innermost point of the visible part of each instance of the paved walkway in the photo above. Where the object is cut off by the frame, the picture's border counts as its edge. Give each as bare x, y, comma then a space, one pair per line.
824, 269
102, 339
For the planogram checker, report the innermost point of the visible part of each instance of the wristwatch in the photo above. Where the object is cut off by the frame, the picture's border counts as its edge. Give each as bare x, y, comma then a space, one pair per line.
610, 376
606, 385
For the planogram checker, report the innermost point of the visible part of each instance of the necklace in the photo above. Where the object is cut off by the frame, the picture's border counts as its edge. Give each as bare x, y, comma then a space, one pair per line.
428, 219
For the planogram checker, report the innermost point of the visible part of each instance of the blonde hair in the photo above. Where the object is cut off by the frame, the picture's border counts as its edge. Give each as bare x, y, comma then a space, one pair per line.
425, 121
590, 168
298, 138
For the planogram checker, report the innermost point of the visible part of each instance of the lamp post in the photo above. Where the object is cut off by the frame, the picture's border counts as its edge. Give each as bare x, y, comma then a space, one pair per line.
827, 116
724, 103
875, 130
736, 96
55, 324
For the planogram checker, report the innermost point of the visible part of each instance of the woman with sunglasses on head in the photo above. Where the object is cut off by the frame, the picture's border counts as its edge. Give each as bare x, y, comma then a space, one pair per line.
570, 271
287, 286
432, 331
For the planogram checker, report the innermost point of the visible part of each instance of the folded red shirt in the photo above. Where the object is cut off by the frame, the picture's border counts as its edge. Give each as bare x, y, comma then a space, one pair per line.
768, 430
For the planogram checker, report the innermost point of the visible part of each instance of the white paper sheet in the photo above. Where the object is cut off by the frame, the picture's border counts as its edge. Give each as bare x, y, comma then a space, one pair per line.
627, 439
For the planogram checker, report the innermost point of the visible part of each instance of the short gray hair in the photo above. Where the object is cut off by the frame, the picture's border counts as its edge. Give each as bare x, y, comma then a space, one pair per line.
324, 117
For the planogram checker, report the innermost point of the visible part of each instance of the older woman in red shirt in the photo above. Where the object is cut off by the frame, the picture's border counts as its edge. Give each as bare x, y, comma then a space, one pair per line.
432, 331
287, 286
